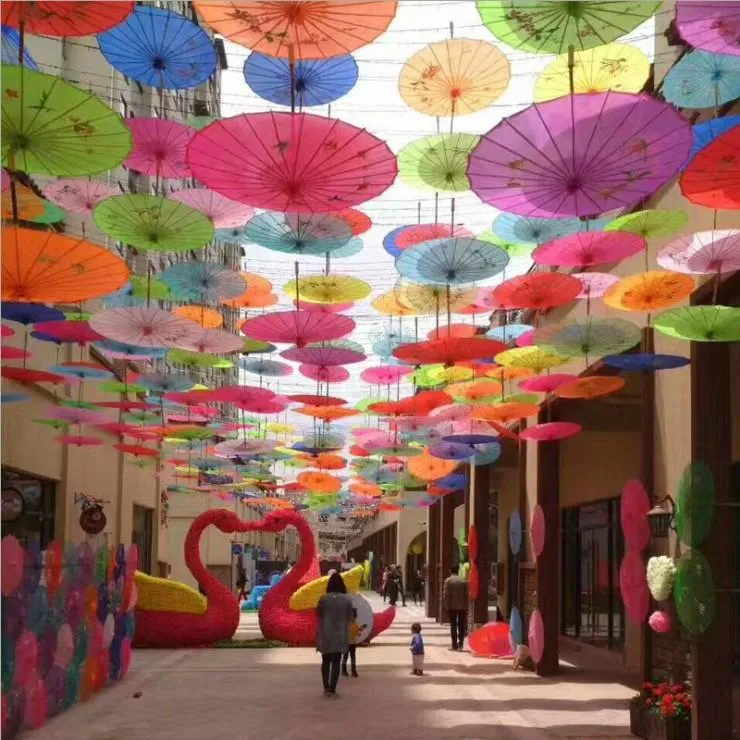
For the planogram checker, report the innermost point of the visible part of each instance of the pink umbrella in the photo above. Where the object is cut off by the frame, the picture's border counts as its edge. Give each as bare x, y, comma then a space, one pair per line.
78, 440
633, 508
385, 374
328, 356
79, 196
241, 394
550, 432
224, 213
263, 407
595, 284
323, 307
450, 412
188, 398
297, 327
526, 339
580, 155
710, 26
6, 331
75, 415
414, 423
211, 341
13, 353
144, 326
160, 147
546, 383
588, 248
323, 374
703, 253
418, 233
291, 162
68, 331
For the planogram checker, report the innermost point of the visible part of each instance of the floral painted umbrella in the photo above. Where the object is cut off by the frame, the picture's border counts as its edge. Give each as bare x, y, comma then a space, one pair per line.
159, 148
328, 288
152, 223
78, 196
297, 233
438, 163
319, 29
701, 323
64, 19
649, 291
50, 127
701, 79
588, 248
291, 162
713, 177
46, 267
703, 253
297, 327
159, 48
204, 281
581, 155
144, 326
553, 27
589, 337
711, 26
431, 299
221, 212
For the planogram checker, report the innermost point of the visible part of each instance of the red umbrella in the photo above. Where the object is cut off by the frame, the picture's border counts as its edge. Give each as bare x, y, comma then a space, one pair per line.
713, 177
418, 405
455, 331
359, 222
28, 375
550, 432
68, 331
6, 330
448, 351
137, 450
241, 394
159, 147
539, 291
263, 407
64, 18
13, 353
291, 162
418, 233
316, 400
297, 327
334, 374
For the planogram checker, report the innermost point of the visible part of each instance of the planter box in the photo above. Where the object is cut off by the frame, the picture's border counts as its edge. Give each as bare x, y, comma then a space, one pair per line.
650, 726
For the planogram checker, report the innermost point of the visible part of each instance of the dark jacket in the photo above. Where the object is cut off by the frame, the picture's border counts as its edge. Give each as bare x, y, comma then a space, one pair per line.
455, 594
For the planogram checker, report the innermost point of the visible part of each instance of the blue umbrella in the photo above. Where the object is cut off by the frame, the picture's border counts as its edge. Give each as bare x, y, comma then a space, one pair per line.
487, 453
703, 80
508, 332
705, 133
202, 281
350, 249
160, 383
298, 233
29, 313
646, 362
315, 81
160, 48
453, 480
11, 47
14, 397
265, 368
110, 345
389, 242
451, 451
525, 230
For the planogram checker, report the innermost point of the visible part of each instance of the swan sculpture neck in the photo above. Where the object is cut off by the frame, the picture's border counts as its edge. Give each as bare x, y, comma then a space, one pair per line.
210, 584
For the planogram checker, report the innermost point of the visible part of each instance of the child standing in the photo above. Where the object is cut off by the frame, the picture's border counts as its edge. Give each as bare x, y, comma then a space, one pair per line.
417, 650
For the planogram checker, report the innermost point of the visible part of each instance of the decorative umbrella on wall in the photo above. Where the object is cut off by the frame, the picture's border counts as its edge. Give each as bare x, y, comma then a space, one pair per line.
221, 212
50, 127
297, 327
64, 19
438, 163
78, 196
291, 162
594, 153
160, 49
713, 177
159, 147
297, 233
204, 281
310, 81
701, 79
711, 26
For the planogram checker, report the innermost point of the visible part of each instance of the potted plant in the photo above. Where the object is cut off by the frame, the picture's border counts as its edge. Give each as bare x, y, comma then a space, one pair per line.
662, 712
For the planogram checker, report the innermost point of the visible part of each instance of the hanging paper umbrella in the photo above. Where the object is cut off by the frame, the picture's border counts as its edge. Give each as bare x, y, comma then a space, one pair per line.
598, 153
701, 79
122, 351
616, 67
27, 313
453, 261
537, 290
137, 450
160, 49
148, 222
646, 361
11, 49
389, 304
309, 83
438, 163
159, 147
312, 30
6, 331
78, 440
713, 177
701, 323
327, 354
28, 375
508, 332
78, 196
451, 451
193, 359
159, 383
324, 374
511, 248
528, 230
27, 205
296, 233
550, 28
52, 214
589, 337
266, 368
384, 374
408, 236
204, 281
208, 318
77, 416
359, 222
50, 127
703, 253
711, 26
550, 432
64, 19
328, 288
649, 291
221, 212
324, 307
255, 347
298, 327
535, 359
13, 353
79, 332
454, 77
249, 300
214, 341
430, 299
452, 330
291, 162
591, 387
47, 267
595, 284
447, 351
707, 131
144, 326
546, 383
649, 224
589, 248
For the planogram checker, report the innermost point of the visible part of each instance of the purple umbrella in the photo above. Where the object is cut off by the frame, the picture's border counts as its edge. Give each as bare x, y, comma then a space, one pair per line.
580, 155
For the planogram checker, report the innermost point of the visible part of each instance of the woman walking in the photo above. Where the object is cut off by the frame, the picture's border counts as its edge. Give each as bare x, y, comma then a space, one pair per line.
335, 612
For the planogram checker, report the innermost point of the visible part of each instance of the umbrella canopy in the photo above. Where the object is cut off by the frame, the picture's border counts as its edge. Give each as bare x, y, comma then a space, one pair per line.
50, 127
701, 79
266, 368
159, 147
79, 332
325, 355
297, 233
703, 253
144, 326
64, 19
711, 26
589, 337
319, 29
298, 327
213, 341
294, 163
438, 163
311, 82
701, 323
152, 223
595, 284
447, 351
707, 131
206, 317
649, 291
454, 77
649, 224
78, 196
204, 281
160, 48
433, 299
588, 248
328, 288
221, 212
11, 49
537, 290
580, 155
43, 266
529, 230
713, 177
324, 374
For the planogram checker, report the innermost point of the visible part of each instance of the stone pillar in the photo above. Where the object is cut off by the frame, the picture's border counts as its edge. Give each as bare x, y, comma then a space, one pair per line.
432, 560
479, 518
446, 545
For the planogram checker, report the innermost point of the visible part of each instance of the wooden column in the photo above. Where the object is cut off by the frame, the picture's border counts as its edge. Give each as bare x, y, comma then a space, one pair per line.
446, 545
479, 518
432, 555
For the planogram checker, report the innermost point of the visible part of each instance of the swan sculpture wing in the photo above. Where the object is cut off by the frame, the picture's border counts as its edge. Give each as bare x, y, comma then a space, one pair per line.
307, 597
164, 595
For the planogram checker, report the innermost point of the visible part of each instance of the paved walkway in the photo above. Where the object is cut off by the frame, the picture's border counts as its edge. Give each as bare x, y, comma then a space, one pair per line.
275, 694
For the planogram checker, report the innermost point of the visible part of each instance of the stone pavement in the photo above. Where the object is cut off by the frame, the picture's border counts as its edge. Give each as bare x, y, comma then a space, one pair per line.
275, 694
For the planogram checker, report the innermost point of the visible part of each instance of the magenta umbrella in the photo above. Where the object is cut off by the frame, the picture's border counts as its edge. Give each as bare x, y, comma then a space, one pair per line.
710, 26
546, 383
297, 327
80, 332
160, 147
76, 415
588, 248
144, 326
211, 341
291, 162
333, 374
223, 213
550, 432
241, 394
595, 284
324, 356
385, 374
580, 155
79, 196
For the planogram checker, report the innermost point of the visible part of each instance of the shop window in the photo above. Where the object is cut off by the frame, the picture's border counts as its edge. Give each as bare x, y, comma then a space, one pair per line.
142, 535
28, 507
592, 548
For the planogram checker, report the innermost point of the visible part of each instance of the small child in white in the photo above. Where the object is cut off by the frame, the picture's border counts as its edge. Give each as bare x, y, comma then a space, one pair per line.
417, 650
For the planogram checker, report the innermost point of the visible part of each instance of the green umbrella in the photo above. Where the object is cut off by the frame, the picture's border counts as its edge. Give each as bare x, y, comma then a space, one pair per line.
192, 359
552, 26
52, 215
255, 346
155, 289
191, 434
648, 224
150, 222
438, 163
116, 386
513, 250
701, 323
50, 127
53, 423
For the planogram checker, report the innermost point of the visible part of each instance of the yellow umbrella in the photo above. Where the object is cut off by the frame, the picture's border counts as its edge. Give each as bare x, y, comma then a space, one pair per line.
328, 288
390, 304
530, 358
616, 67
431, 299
454, 77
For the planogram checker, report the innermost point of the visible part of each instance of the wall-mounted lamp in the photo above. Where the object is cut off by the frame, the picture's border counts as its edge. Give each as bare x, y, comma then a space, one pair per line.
661, 517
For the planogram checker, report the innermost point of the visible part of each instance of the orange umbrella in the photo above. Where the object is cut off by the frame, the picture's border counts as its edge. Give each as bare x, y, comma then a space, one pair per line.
509, 373
505, 412
252, 299
276, 503
327, 413
591, 387
366, 489
390, 304
453, 330
317, 29
649, 291
319, 482
712, 178
426, 467
329, 461
29, 205
208, 318
46, 267
480, 390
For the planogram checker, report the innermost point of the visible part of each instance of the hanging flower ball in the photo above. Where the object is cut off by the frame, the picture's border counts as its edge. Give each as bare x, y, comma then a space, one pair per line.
660, 621
661, 572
